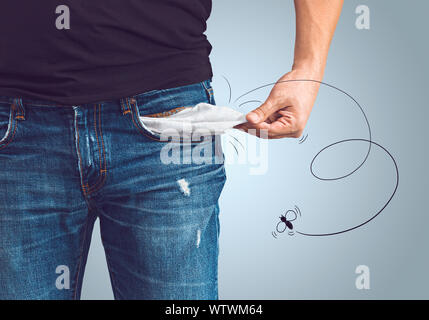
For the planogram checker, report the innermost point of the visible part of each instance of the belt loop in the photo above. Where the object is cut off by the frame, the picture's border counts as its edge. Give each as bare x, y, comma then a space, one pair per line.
19, 108
209, 89
205, 85
125, 105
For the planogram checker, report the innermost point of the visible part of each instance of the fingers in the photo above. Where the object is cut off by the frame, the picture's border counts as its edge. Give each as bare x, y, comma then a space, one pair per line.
263, 130
279, 118
252, 129
261, 113
275, 130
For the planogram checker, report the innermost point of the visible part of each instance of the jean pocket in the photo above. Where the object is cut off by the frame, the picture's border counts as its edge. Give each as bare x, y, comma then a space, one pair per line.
164, 103
8, 124
159, 128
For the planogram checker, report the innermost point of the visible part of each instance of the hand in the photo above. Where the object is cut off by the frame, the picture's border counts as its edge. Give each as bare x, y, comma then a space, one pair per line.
287, 109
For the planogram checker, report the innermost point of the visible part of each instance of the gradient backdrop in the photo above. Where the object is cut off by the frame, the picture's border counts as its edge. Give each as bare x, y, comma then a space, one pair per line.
384, 69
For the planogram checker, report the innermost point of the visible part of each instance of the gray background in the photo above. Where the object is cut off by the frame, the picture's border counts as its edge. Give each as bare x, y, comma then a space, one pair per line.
385, 69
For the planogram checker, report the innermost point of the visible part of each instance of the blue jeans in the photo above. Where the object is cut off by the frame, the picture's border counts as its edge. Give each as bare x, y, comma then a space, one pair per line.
62, 167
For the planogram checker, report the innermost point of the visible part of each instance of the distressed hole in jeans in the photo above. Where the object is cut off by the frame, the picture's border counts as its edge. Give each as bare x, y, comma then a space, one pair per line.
198, 237
184, 187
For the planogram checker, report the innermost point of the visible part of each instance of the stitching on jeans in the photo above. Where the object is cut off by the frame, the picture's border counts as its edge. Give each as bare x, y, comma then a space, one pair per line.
21, 111
166, 113
100, 181
83, 183
104, 170
138, 126
207, 86
9, 138
125, 106
208, 90
90, 189
102, 140
216, 215
157, 139
122, 108
98, 145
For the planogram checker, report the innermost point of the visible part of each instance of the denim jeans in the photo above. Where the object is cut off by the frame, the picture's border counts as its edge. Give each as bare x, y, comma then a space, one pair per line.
62, 167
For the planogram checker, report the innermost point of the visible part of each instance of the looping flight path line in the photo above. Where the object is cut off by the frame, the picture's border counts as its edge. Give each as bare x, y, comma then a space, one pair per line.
370, 143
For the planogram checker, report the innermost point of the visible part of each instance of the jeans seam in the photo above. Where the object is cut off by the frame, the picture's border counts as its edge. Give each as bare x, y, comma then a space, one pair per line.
83, 182
103, 169
218, 247
8, 136
208, 90
134, 114
167, 113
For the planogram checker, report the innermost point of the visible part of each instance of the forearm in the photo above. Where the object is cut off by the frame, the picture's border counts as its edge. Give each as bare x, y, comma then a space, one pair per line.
316, 21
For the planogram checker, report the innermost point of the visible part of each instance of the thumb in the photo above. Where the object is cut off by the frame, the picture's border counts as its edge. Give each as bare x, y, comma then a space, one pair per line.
261, 113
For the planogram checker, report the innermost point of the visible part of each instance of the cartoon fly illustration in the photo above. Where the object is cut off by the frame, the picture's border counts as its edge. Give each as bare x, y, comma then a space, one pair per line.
286, 220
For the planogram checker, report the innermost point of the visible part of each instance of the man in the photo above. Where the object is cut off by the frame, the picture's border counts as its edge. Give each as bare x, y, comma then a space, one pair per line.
75, 77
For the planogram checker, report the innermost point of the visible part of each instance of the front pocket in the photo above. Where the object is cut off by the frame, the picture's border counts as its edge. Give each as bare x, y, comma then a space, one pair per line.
164, 103
167, 135
8, 124
201, 120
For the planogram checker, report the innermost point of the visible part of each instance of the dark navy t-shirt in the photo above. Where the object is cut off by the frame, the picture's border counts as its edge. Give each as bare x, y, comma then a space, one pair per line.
80, 51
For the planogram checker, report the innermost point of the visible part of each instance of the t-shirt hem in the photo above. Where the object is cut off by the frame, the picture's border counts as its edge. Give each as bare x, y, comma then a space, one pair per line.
184, 79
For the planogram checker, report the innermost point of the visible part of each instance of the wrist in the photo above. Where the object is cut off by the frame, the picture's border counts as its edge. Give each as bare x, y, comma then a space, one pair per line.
312, 68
